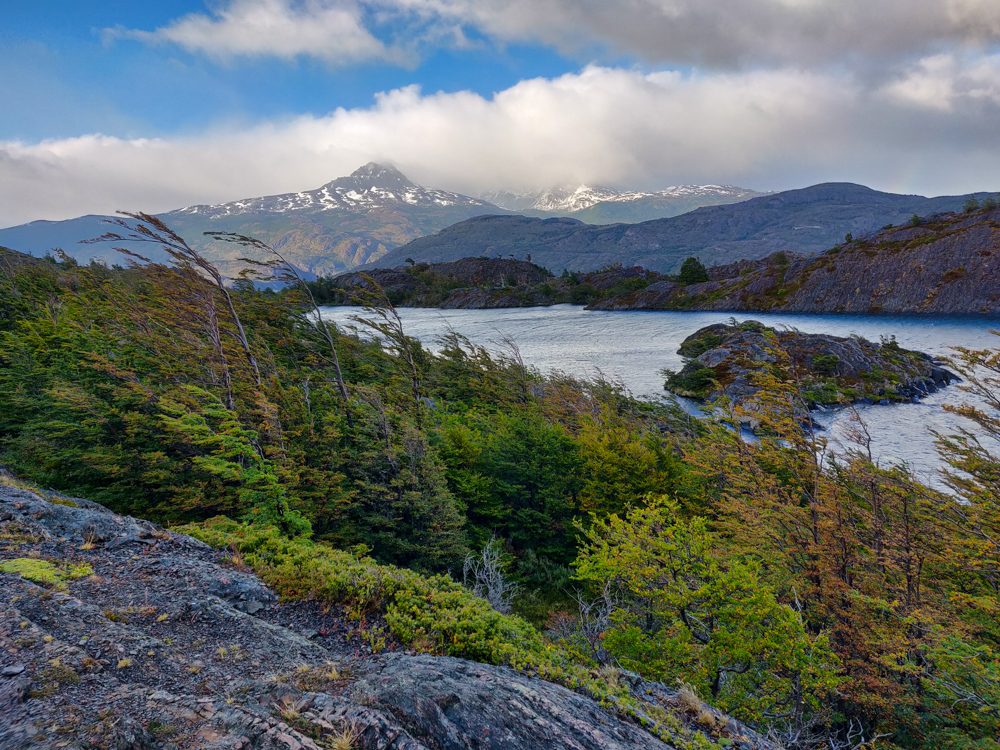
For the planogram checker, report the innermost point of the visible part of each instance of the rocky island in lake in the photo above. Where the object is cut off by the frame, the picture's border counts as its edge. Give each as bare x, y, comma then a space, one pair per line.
723, 360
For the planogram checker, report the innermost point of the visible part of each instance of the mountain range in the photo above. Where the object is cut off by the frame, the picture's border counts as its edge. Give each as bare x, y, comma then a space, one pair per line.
334, 228
602, 205
347, 222
807, 220
378, 217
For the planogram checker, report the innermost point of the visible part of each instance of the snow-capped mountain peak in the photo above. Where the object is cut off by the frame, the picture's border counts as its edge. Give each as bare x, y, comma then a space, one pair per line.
372, 187
371, 176
568, 200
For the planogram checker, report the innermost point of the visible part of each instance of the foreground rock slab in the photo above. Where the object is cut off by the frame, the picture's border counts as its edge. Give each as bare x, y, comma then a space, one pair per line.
144, 639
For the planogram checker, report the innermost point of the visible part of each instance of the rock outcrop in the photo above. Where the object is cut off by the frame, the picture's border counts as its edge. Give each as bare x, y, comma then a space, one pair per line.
723, 360
116, 633
948, 264
468, 283
480, 283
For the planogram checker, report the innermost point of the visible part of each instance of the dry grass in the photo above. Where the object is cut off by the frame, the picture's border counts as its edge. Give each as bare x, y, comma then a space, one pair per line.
688, 699
344, 740
288, 708
235, 559
9, 480
706, 719
318, 677
611, 675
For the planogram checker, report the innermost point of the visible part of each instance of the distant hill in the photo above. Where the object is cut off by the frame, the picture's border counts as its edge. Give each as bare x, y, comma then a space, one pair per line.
600, 205
479, 283
949, 264
808, 220
339, 226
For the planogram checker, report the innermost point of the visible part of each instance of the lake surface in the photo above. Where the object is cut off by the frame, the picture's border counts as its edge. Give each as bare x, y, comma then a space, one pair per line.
635, 346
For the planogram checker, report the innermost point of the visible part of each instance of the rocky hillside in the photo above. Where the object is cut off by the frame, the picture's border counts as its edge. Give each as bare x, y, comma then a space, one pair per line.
116, 633
949, 264
724, 360
343, 224
479, 283
807, 221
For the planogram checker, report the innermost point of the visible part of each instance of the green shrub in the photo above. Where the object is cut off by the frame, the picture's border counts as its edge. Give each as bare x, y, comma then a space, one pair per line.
700, 345
583, 294
692, 272
825, 363
418, 609
694, 380
421, 610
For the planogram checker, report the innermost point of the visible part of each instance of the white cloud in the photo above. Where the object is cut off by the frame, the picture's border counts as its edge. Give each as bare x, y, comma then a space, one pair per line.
943, 82
723, 33
728, 33
333, 32
764, 129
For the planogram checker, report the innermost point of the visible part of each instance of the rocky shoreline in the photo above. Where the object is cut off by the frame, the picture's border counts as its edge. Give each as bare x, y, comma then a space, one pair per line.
116, 633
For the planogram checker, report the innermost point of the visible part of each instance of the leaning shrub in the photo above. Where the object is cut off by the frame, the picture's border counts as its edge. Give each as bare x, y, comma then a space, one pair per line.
417, 608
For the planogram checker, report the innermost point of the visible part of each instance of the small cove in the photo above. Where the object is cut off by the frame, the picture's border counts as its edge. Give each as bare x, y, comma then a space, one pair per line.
635, 346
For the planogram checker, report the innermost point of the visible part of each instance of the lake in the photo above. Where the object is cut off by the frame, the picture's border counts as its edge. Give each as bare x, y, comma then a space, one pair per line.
635, 346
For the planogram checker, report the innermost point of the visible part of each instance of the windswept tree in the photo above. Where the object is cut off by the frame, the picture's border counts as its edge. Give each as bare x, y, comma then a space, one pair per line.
283, 271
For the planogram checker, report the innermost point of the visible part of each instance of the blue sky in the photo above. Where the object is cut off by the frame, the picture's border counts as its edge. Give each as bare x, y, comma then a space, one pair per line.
60, 76
152, 106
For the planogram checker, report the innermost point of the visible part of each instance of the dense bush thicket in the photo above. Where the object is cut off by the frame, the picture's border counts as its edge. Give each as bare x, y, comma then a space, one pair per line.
829, 603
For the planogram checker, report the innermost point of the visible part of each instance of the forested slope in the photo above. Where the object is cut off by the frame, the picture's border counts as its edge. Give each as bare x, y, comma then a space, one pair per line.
824, 604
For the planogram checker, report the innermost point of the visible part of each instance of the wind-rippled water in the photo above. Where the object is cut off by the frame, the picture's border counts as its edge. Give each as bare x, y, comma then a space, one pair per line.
635, 346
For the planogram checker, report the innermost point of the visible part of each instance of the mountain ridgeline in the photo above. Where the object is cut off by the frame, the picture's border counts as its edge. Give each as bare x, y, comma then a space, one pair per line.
601, 205
343, 224
809, 220
352, 220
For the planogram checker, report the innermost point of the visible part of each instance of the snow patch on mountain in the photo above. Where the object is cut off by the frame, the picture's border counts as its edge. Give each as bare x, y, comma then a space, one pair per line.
372, 187
570, 200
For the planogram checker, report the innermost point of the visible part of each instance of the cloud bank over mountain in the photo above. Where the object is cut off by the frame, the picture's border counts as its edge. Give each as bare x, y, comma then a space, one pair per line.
902, 95
931, 130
